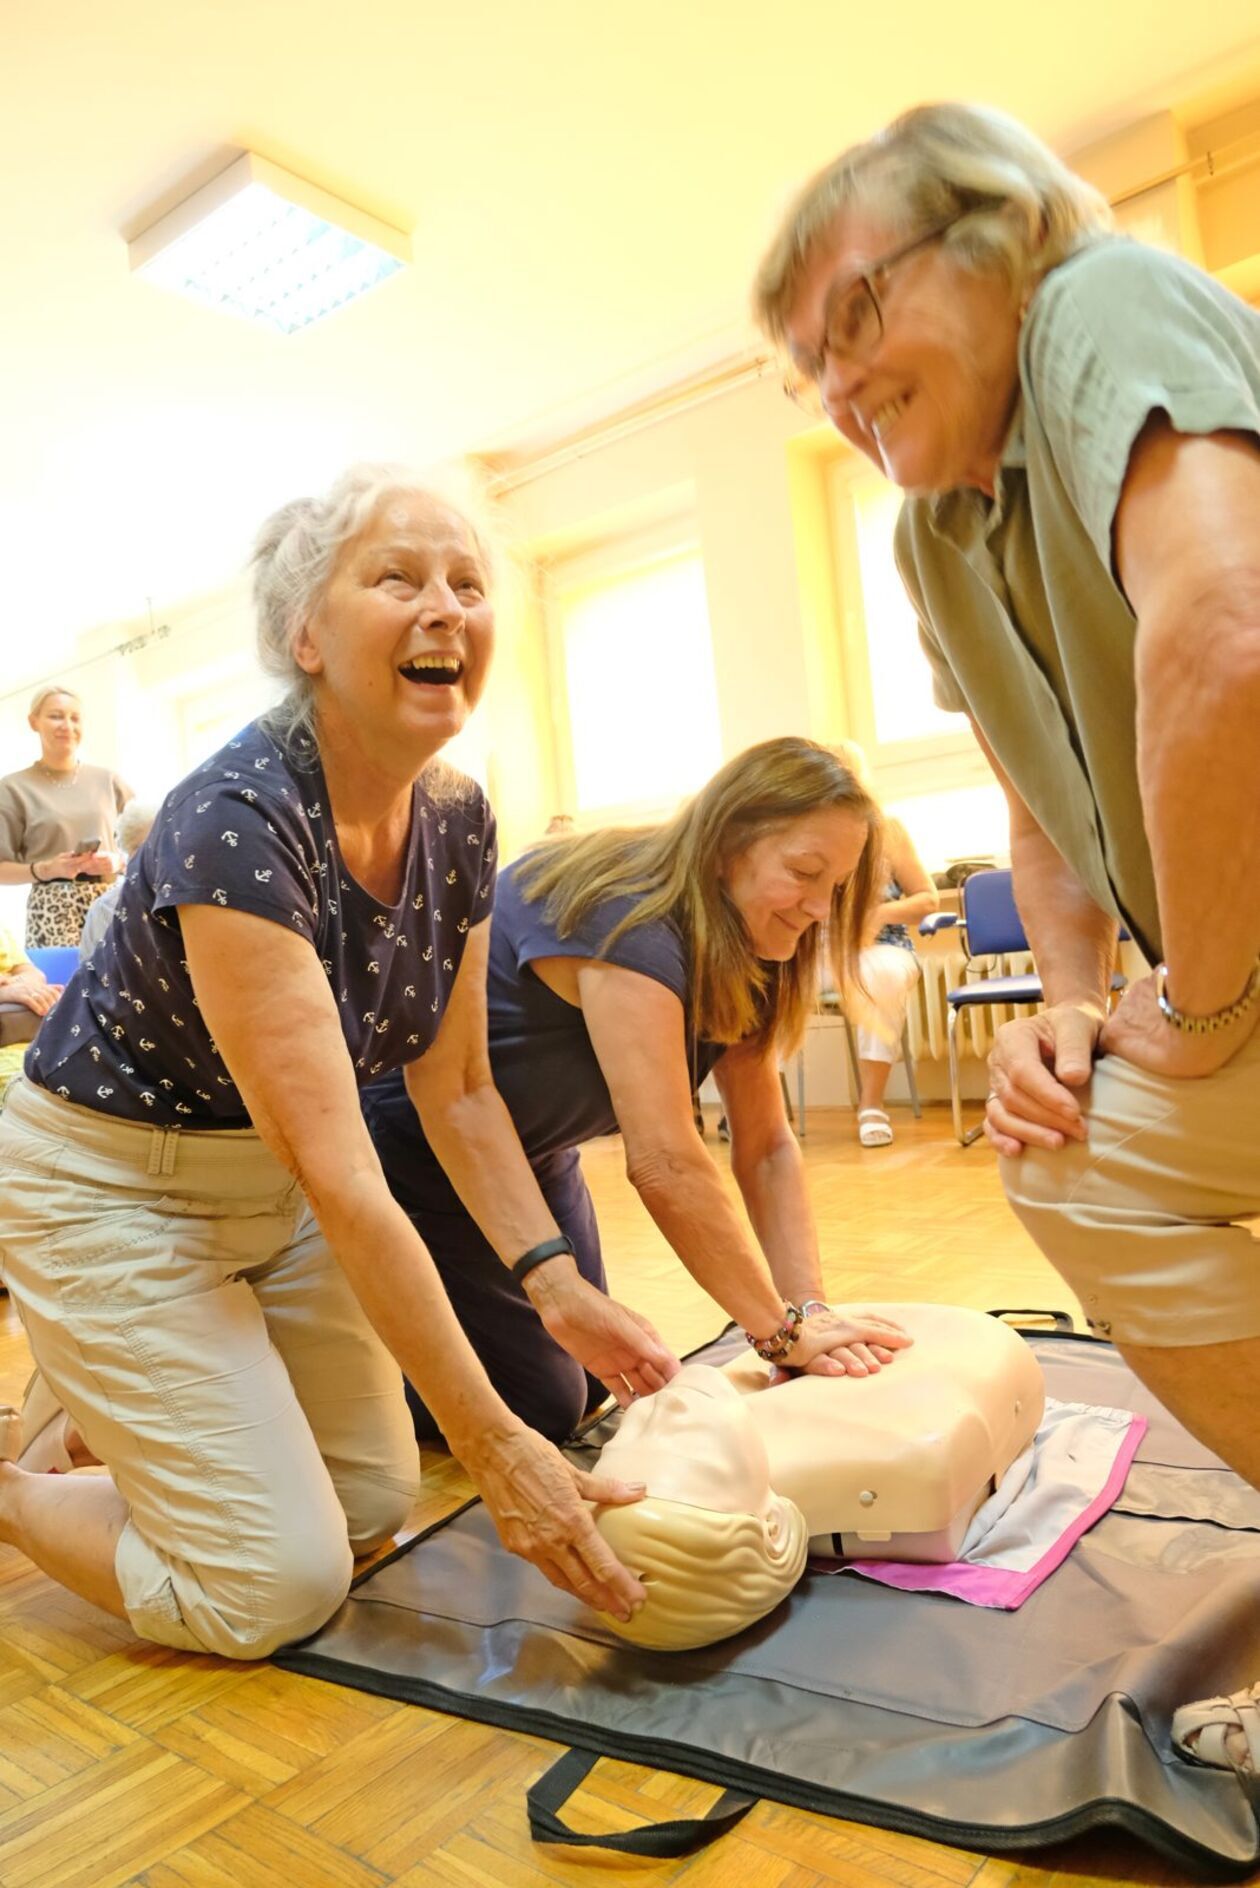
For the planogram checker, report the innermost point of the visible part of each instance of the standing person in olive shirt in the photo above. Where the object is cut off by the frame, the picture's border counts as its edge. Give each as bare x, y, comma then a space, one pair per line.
1075, 420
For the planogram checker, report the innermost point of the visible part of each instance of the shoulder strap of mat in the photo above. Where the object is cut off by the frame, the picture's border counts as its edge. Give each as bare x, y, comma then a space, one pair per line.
682, 1836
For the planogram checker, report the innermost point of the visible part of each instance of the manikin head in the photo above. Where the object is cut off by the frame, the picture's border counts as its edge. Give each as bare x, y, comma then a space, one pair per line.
713, 1544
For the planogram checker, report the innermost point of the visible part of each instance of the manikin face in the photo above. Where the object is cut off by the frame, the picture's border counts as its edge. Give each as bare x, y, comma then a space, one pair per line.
694, 1442
784, 881
400, 642
932, 404
58, 721
713, 1544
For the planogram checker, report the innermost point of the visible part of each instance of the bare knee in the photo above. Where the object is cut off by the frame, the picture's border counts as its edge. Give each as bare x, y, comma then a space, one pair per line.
1211, 1389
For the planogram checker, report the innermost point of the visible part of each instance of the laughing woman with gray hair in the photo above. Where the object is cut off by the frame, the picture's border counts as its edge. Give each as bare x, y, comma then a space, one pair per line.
193, 1224
1075, 419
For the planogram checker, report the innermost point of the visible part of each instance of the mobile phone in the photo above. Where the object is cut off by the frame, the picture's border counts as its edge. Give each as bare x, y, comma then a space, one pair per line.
89, 845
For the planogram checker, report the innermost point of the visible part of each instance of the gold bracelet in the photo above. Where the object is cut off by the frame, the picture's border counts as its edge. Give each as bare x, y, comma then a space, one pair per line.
1205, 1025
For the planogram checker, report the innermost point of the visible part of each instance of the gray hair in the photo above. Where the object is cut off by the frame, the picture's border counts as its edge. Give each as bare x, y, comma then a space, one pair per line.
294, 555
52, 688
1025, 210
133, 825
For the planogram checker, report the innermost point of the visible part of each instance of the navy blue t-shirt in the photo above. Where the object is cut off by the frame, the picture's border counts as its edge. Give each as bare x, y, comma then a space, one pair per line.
252, 830
544, 1063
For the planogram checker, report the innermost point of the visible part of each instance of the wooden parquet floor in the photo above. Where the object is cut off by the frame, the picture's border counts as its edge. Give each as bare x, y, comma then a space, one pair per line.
126, 1766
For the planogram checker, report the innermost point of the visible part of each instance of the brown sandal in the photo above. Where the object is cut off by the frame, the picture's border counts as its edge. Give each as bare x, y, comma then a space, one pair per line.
1200, 1731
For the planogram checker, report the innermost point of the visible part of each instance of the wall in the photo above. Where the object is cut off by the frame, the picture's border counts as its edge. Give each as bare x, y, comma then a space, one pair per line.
732, 452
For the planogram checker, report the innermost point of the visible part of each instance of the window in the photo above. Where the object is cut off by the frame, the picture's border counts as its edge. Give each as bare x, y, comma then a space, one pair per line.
634, 662
901, 704
929, 769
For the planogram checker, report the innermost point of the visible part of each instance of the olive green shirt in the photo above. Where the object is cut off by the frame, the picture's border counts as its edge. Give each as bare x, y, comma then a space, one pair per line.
1020, 612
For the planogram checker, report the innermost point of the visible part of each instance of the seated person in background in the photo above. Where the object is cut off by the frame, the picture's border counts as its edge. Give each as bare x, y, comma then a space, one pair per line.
887, 967
624, 966
131, 829
21, 986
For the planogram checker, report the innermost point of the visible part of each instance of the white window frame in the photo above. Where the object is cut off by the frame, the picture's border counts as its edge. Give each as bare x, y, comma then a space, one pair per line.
937, 763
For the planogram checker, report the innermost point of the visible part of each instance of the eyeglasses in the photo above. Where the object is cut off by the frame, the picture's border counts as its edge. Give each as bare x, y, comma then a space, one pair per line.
854, 320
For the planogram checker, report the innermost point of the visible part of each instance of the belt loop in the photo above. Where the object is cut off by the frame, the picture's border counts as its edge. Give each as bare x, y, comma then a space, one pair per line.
163, 1145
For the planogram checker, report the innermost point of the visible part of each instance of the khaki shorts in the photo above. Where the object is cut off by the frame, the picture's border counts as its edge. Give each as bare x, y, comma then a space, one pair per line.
1143, 1220
181, 1301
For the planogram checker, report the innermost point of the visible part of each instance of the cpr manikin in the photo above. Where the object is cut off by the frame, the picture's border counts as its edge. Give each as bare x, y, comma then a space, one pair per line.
740, 1476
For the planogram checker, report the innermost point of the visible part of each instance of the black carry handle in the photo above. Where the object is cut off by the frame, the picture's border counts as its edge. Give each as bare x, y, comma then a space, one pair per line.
683, 1836
1028, 1317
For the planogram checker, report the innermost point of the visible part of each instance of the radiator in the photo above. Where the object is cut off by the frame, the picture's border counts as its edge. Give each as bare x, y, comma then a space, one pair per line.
928, 1010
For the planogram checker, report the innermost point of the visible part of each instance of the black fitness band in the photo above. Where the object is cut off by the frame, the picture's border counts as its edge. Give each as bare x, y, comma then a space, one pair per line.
538, 1255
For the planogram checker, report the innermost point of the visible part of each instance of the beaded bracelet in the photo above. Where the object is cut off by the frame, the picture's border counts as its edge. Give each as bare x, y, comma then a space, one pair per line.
773, 1349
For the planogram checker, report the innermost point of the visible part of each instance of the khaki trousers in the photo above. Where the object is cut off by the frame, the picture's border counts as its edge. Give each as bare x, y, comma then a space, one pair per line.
1143, 1220
181, 1301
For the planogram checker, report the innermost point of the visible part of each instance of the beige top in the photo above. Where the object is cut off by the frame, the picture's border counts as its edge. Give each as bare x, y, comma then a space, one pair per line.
41, 816
1021, 616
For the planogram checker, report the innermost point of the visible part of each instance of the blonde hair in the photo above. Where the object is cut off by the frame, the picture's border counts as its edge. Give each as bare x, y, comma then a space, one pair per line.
707, 1574
676, 871
294, 556
52, 688
1025, 211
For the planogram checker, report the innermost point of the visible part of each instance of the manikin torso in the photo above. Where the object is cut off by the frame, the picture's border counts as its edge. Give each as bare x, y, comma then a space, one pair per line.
894, 1464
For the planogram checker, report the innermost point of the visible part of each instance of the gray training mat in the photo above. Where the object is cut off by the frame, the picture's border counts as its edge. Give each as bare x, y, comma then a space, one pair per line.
914, 1711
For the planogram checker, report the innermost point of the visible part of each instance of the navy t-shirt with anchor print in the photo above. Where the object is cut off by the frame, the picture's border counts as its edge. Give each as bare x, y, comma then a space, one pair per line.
251, 829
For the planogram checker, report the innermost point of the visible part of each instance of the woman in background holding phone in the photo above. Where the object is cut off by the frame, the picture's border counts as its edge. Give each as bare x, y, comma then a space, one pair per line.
55, 818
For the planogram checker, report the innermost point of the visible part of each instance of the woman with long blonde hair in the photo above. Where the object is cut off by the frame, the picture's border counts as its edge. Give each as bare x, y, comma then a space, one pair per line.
625, 966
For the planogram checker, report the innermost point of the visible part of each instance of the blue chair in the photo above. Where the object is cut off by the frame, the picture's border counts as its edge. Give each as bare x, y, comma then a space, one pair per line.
57, 961
990, 927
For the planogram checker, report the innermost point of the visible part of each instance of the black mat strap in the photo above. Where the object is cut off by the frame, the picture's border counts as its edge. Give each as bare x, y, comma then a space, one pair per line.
682, 1836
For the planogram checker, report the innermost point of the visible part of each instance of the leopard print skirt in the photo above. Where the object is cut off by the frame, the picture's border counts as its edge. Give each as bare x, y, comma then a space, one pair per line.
55, 912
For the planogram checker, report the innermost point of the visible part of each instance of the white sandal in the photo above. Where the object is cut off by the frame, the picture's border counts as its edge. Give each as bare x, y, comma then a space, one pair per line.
874, 1127
1199, 1730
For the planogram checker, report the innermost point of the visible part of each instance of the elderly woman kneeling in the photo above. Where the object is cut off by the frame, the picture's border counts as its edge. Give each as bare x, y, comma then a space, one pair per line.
194, 1226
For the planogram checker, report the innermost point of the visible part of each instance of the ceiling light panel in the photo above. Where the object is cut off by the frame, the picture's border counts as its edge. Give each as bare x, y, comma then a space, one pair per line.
263, 244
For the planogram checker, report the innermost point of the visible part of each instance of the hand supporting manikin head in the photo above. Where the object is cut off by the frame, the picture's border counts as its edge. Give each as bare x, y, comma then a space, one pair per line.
895, 1464
715, 1547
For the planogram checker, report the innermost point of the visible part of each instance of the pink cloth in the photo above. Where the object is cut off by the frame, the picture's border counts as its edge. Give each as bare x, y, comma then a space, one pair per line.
1067, 1478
